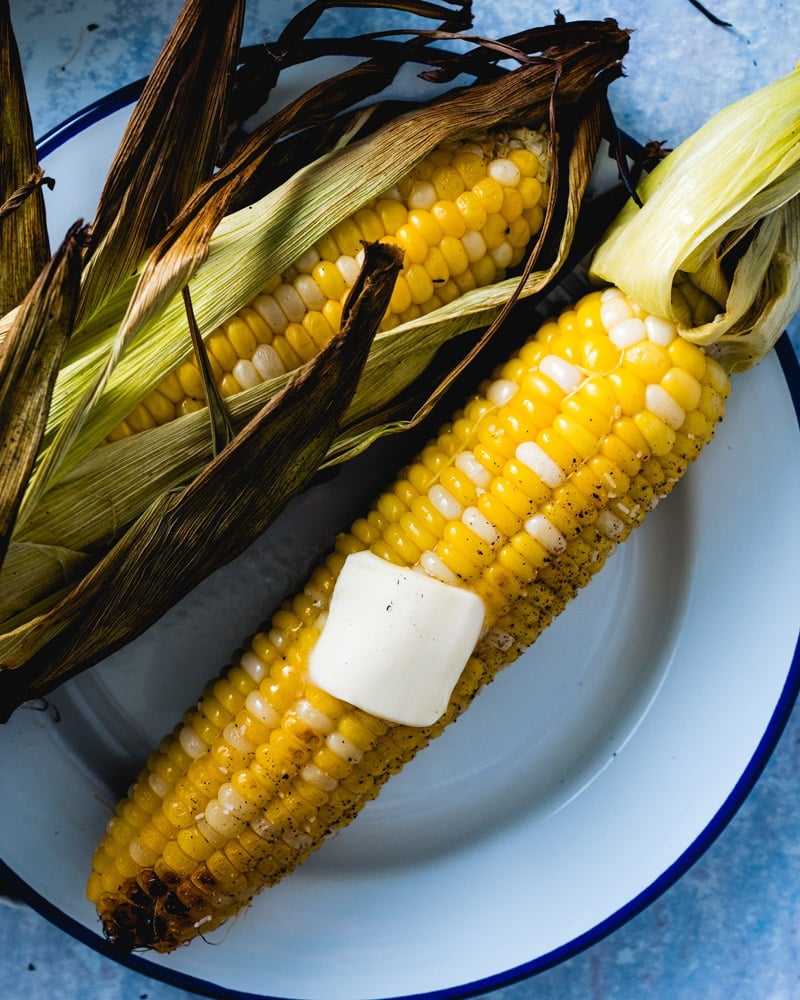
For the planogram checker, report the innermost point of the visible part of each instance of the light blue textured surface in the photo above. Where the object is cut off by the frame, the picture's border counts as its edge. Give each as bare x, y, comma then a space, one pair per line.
729, 928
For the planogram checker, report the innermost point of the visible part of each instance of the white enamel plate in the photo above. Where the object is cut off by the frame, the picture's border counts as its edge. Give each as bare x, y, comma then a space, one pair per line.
579, 786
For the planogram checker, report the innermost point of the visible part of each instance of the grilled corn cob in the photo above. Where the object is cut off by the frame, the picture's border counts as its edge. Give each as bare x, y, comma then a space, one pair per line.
463, 215
519, 499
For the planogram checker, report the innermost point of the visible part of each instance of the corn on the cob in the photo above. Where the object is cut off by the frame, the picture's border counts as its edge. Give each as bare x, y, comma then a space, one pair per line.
463, 215
519, 498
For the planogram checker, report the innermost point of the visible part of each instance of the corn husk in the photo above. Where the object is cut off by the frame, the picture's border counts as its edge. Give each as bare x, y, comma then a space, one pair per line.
715, 245
24, 246
212, 257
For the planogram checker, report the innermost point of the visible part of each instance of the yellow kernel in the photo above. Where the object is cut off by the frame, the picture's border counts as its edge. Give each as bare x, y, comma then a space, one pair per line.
496, 511
690, 357
419, 283
241, 337
470, 166
140, 419
448, 217
580, 439
629, 390
332, 311
318, 328
484, 271
447, 181
526, 160
160, 408
494, 230
531, 192
472, 210
683, 387
649, 360
534, 217
426, 223
329, 278
348, 238
370, 224
659, 436
228, 386
512, 206
490, 193
436, 266
616, 451
289, 359
172, 388
401, 295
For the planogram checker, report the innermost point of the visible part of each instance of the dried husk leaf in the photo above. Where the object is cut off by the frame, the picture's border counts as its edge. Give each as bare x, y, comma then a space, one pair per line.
170, 144
207, 524
24, 246
28, 369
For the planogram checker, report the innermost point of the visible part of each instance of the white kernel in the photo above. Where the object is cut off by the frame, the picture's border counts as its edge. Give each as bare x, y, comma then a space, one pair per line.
481, 525
252, 665
348, 268
318, 778
659, 330
159, 786
309, 291
433, 566
267, 362
422, 195
210, 834
343, 748
444, 501
262, 827
258, 706
501, 391
474, 245
657, 400
316, 720
307, 261
191, 742
278, 638
537, 459
298, 841
231, 800
504, 171
290, 302
141, 855
473, 470
611, 293
627, 332
614, 310
233, 735
610, 525
221, 820
268, 309
246, 374
545, 532
502, 255
566, 375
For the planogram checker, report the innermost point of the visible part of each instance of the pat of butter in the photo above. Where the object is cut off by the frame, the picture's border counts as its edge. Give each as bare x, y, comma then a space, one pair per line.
395, 641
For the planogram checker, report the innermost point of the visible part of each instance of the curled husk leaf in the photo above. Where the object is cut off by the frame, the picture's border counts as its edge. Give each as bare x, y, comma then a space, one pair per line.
715, 245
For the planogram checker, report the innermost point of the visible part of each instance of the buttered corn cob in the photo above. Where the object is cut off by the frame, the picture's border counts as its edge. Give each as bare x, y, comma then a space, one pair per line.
463, 215
519, 499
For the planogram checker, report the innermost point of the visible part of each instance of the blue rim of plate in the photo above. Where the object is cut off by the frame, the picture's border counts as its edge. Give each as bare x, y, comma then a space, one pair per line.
69, 129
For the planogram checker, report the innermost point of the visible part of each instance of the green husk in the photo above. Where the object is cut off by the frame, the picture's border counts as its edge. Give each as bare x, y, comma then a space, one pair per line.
715, 245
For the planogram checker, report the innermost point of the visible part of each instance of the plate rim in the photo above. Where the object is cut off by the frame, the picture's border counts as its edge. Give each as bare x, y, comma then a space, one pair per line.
790, 368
